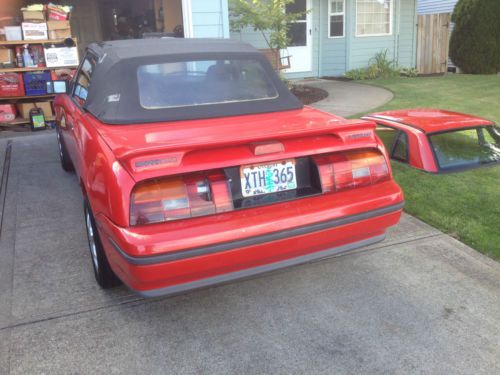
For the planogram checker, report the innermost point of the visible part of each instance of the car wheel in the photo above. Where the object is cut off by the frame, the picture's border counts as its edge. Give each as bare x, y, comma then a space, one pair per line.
104, 275
66, 163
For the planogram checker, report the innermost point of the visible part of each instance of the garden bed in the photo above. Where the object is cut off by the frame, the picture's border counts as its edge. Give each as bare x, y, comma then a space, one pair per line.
307, 94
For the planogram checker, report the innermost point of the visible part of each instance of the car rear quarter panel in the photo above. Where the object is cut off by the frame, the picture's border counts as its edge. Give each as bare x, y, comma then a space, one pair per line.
102, 178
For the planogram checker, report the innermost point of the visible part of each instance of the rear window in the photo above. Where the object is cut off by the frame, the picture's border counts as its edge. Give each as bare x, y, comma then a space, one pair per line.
466, 148
205, 82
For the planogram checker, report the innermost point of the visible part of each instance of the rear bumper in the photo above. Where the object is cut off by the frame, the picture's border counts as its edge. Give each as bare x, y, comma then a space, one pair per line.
248, 272
188, 262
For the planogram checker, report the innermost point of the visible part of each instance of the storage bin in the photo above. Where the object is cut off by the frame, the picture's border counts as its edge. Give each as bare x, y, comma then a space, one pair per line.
13, 33
35, 83
11, 84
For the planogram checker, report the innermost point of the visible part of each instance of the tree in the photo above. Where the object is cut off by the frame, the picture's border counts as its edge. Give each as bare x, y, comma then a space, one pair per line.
475, 40
267, 16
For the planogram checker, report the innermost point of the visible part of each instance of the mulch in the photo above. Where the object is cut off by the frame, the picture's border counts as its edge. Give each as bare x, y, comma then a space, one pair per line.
308, 95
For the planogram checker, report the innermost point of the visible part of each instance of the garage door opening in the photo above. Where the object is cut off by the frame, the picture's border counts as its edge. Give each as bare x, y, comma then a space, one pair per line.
132, 19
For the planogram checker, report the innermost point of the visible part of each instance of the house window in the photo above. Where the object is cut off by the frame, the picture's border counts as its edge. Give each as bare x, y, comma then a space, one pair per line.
336, 15
373, 17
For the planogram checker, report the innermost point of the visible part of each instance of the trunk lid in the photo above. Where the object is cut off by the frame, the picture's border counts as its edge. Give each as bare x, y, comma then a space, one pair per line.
159, 149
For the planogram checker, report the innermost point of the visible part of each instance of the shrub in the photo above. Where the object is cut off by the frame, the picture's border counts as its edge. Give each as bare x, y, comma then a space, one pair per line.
357, 74
384, 67
475, 40
379, 67
408, 72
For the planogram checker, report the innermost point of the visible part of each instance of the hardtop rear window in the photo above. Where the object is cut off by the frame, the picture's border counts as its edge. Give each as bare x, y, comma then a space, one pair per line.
203, 82
466, 147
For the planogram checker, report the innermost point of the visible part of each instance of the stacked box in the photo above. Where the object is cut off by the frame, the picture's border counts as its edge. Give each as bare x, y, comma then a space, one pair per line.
56, 57
33, 15
34, 31
59, 29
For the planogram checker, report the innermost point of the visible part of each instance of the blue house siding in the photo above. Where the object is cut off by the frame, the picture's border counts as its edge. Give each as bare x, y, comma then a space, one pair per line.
333, 51
256, 39
335, 56
436, 6
400, 46
210, 19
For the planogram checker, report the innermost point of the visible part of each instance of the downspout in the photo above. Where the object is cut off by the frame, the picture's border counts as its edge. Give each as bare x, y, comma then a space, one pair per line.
397, 16
320, 36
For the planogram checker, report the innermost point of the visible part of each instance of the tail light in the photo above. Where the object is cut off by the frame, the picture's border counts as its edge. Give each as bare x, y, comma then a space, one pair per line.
207, 193
351, 169
175, 198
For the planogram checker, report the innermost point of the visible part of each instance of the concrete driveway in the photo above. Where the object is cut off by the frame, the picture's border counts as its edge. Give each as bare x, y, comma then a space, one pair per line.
348, 98
420, 302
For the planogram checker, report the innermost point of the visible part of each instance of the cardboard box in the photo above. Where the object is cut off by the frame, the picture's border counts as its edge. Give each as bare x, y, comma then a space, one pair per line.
11, 84
24, 109
7, 112
57, 14
59, 34
46, 108
7, 56
59, 29
33, 15
58, 25
61, 56
34, 31
13, 33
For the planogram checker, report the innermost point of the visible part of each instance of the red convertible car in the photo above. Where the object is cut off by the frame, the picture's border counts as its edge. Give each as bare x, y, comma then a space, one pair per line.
438, 141
198, 166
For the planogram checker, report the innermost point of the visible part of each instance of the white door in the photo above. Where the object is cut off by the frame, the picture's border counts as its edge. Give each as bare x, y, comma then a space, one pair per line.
300, 35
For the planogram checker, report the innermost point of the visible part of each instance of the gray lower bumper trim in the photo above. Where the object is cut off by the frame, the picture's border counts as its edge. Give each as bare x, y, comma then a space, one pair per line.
251, 241
181, 288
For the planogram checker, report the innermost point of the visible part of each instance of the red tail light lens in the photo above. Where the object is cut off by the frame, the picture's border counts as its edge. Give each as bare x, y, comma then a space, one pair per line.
349, 170
176, 198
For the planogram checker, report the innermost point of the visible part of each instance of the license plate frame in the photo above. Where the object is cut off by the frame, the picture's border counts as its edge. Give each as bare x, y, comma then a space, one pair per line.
280, 175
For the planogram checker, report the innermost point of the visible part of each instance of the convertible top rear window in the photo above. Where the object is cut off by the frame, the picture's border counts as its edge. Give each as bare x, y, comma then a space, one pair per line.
182, 79
203, 82
467, 147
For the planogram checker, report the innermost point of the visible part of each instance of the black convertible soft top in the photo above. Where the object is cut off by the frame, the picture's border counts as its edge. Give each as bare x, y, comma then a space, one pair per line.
113, 95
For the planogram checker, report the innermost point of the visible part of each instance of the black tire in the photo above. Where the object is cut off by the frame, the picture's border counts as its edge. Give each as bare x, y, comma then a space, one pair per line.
104, 275
66, 163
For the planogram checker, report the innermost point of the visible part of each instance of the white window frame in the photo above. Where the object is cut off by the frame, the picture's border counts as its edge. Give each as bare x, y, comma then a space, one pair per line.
330, 14
187, 18
391, 22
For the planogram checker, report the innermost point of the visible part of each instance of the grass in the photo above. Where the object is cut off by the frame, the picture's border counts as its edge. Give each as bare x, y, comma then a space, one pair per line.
466, 204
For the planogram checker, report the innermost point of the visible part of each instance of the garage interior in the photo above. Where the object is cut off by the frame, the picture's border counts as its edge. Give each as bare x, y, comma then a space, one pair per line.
99, 20
90, 21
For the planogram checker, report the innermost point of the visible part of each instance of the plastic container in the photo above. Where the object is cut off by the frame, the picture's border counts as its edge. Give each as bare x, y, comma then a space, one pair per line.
37, 119
35, 83
13, 33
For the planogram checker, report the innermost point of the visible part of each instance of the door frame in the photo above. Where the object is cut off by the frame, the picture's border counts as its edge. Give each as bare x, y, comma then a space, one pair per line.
187, 18
309, 43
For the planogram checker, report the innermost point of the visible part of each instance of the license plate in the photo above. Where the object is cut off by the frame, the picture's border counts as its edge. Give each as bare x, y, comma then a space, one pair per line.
268, 178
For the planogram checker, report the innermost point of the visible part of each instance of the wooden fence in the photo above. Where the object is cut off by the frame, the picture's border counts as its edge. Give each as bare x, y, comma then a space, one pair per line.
433, 43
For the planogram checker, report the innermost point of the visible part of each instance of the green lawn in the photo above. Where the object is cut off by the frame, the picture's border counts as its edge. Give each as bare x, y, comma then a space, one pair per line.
464, 204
